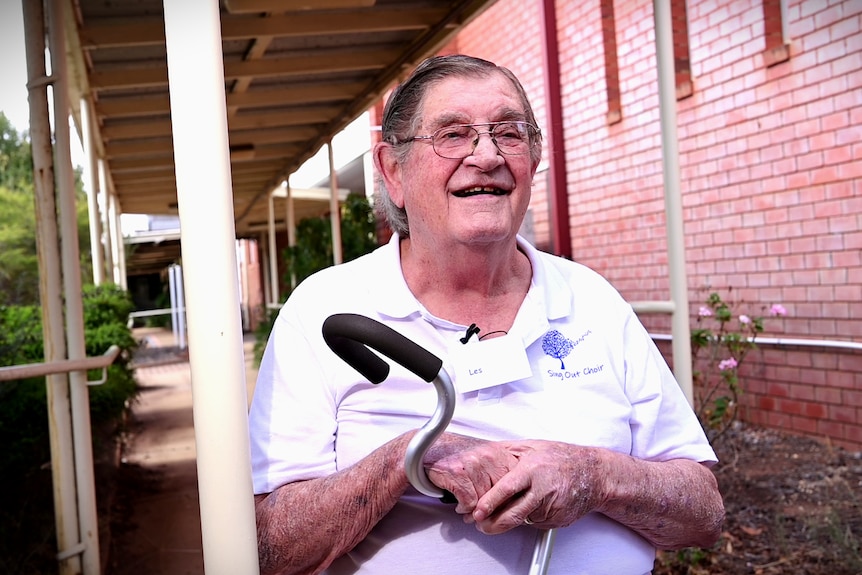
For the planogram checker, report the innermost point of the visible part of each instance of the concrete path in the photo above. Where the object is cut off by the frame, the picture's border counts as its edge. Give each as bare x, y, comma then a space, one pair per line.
156, 520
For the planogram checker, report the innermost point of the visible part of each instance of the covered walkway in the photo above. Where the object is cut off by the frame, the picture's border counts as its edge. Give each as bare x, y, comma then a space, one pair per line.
155, 514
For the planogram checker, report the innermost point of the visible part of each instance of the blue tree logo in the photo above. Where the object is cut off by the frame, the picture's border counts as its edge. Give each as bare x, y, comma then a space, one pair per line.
557, 345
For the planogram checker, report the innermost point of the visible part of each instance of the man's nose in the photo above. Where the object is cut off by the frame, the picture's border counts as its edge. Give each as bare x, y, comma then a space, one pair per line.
485, 146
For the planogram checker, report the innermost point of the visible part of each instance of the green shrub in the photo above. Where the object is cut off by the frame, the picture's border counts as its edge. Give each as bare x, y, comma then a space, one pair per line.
20, 335
23, 403
106, 312
313, 251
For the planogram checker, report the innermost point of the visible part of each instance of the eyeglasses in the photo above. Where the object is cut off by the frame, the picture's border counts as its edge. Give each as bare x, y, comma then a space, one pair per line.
458, 141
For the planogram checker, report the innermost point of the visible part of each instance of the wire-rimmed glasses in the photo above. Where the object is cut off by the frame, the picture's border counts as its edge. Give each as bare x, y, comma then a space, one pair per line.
458, 141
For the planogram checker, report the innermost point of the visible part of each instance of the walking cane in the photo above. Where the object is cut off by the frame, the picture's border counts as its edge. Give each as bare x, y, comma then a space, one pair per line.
350, 336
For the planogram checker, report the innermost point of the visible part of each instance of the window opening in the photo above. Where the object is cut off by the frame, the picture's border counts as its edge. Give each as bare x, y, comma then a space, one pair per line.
681, 56
612, 73
775, 32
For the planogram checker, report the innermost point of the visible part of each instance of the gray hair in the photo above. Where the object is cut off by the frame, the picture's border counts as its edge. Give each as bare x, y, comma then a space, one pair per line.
402, 115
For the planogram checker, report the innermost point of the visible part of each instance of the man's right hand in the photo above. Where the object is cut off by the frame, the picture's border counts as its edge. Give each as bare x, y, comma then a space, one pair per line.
467, 467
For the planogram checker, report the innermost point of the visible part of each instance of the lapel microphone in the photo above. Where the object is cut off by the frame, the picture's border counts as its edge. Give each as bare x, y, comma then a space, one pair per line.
470, 331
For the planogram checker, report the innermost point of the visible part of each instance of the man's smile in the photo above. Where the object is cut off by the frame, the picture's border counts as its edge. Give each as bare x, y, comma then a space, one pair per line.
477, 191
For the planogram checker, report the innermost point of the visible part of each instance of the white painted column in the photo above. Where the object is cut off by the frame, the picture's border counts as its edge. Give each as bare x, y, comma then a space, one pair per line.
50, 296
88, 523
368, 173
291, 216
334, 209
105, 224
175, 308
122, 279
267, 270
115, 236
92, 171
290, 222
273, 250
680, 326
202, 158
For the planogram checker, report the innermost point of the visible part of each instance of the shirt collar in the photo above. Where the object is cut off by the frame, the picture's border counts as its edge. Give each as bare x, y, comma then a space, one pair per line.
548, 288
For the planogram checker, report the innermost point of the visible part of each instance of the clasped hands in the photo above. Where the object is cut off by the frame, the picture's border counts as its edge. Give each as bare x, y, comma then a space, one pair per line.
501, 485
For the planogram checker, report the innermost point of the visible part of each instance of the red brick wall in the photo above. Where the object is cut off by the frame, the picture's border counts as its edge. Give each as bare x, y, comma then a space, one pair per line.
813, 392
770, 170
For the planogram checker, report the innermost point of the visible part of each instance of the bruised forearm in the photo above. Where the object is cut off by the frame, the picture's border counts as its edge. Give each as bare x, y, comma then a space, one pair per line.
302, 527
672, 504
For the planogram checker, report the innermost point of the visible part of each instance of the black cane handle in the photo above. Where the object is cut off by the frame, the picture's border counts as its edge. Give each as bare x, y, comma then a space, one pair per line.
350, 335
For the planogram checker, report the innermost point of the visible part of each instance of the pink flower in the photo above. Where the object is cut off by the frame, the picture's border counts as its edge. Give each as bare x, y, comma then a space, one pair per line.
777, 309
704, 312
744, 319
727, 364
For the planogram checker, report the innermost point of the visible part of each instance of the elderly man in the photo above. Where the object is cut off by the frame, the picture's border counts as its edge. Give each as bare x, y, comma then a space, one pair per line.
581, 427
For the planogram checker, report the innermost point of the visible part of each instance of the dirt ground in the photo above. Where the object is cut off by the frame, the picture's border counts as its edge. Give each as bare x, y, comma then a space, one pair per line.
794, 506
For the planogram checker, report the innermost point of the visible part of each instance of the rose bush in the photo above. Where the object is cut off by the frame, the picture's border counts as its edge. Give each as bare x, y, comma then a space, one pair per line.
721, 339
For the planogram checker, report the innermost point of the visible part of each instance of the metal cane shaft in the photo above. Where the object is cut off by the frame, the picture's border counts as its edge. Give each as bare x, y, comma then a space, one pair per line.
542, 551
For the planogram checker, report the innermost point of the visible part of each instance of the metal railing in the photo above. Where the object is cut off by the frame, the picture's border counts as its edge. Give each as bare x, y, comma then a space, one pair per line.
28, 370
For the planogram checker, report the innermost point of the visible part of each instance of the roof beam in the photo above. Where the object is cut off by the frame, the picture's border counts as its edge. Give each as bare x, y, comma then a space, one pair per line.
329, 24
259, 46
240, 6
316, 115
150, 128
118, 34
255, 168
162, 195
161, 175
139, 77
141, 129
298, 94
138, 165
273, 152
275, 136
251, 179
132, 163
326, 63
150, 105
150, 147
161, 146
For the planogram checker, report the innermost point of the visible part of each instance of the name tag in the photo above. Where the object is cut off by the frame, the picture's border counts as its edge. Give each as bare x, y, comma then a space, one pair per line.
488, 363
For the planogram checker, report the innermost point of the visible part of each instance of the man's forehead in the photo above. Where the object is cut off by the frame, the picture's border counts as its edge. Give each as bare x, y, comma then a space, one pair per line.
442, 105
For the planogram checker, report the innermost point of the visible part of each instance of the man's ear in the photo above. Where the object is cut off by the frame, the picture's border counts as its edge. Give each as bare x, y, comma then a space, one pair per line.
390, 170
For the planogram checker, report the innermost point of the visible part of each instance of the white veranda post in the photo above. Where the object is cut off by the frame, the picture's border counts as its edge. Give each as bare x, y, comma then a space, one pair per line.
202, 159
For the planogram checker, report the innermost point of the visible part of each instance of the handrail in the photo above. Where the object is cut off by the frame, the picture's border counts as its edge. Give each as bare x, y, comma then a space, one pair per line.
28, 370
786, 341
651, 306
155, 312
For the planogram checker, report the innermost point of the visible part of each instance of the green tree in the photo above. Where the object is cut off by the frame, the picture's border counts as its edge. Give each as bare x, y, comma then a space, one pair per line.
313, 249
16, 158
19, 264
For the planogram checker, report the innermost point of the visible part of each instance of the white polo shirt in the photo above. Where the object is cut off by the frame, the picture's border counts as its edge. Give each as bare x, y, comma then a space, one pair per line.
597, 380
